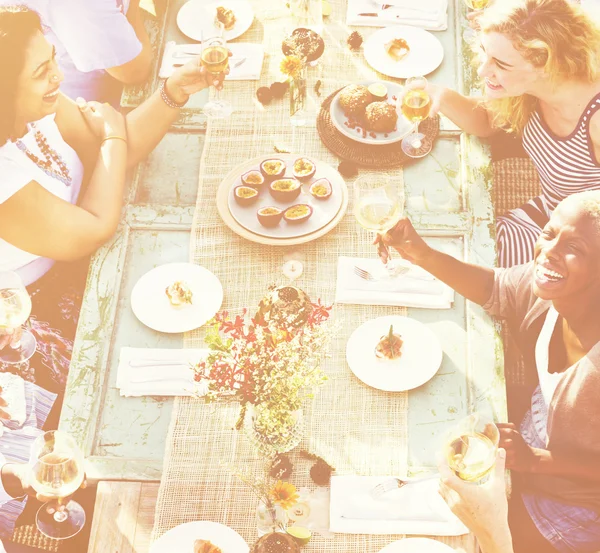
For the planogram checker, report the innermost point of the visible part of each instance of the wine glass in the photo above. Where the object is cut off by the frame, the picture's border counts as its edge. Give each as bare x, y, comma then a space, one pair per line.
377, 207
57, 471
471, 447
416, 105
15, 308
470, 34
215, 59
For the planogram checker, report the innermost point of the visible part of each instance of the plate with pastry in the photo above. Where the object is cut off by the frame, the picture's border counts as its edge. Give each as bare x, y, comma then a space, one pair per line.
394, 353
402, 52
366, 112
200, 537
176, 297
196, 18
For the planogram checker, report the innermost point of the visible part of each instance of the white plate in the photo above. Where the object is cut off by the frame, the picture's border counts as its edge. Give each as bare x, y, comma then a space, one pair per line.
421, 354
338, 118
417, 545
152, 307
426, 52
324, 211
181, 538
197, 17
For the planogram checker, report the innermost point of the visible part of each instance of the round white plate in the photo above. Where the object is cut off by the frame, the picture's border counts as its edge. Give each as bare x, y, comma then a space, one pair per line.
426, 52
339, 119
417, 545
181, 538
152, 307
196, 18
324, 211
421, 354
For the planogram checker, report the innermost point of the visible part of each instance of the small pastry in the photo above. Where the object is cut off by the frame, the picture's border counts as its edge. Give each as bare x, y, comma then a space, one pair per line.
397, 49
390, 346
179, 294
226, 17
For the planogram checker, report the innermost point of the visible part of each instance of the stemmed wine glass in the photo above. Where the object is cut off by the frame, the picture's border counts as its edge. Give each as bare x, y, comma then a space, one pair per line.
215, 59
377, 207
416, 105
471, 446
470, 34
15, 308
57, 471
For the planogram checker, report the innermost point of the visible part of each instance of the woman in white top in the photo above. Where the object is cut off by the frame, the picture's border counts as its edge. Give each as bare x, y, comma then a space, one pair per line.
48, 211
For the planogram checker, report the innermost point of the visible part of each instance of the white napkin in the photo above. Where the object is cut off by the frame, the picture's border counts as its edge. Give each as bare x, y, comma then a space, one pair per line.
427, 14
417, 288
414, 509
158, 380
249, 70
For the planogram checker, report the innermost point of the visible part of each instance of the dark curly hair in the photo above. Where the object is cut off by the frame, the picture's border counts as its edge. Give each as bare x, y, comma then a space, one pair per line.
18, 25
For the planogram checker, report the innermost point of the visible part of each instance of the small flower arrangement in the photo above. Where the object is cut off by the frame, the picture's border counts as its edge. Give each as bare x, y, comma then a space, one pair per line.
291, 66
270, 361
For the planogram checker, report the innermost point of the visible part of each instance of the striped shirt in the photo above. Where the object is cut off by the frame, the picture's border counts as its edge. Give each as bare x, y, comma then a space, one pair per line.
566, 165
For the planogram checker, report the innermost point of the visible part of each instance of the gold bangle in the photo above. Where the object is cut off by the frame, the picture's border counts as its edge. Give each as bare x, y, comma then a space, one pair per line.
113, 137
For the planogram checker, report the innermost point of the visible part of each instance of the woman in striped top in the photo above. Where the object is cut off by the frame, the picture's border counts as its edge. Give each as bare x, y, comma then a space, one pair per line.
540, 61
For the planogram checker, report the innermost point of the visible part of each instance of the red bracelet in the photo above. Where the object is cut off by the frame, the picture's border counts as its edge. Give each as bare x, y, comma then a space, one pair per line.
165, 96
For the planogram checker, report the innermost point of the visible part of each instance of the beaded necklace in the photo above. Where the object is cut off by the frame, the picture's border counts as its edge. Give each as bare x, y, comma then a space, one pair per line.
50, 156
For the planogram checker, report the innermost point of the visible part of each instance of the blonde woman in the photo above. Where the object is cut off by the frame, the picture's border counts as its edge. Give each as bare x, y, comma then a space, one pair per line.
540, 64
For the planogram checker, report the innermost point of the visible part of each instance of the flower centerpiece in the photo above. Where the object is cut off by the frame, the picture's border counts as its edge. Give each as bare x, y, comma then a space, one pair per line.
270, 363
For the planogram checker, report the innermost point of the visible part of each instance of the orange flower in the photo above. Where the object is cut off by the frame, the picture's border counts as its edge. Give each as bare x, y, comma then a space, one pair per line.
285, 494
291, 66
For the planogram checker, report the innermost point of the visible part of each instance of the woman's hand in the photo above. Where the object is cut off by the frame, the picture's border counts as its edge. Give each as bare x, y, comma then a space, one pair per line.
10, 337
102, 119
405, 240
4, 415
520, 456
191, 78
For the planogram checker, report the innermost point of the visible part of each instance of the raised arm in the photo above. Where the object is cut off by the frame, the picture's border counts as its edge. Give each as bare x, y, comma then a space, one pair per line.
467, 112
471, 281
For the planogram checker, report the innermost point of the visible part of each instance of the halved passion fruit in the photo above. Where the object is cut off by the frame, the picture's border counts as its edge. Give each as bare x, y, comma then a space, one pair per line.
269, 216
321, 189
298, 213
245, 195
285, 190
272, 168
254, 179
304, 168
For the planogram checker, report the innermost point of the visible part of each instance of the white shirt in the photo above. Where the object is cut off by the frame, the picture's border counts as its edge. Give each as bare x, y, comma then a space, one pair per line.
90, 36
18, 170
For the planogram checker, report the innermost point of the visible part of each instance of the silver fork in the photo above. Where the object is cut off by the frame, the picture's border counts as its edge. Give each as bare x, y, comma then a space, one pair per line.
398, 270
397, 483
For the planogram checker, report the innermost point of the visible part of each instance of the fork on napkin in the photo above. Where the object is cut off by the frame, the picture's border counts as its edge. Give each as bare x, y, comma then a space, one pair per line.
249, 70
427, 14
158, 372
403, 290
414, 509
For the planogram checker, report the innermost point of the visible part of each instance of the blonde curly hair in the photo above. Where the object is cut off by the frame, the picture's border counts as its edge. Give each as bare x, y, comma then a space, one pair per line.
554, 35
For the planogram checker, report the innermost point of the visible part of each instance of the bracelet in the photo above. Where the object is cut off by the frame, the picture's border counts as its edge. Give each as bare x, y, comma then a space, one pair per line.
165, 96
113, 137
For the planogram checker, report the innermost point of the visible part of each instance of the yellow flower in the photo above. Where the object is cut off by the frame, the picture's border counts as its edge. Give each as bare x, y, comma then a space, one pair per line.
285, 494
291, 66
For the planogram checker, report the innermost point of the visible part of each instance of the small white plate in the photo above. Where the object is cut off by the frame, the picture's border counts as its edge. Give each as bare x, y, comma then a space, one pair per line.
420, 360
196, 18
181, 538
152, 307
417, 545
339, 119
426, 52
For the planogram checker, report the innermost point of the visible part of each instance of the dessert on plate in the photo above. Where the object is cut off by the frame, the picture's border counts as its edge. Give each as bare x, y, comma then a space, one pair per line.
354, 99
179, 293
397, 49
381, 117
204, 546
390, 346
226, 17
304, 43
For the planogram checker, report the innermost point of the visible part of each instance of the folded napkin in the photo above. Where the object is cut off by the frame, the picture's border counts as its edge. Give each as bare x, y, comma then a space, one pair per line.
427, 14
417, 288
413, 509
248, 70
145, 372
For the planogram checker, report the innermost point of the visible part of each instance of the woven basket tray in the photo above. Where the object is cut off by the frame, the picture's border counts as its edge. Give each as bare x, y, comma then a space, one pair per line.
384, 157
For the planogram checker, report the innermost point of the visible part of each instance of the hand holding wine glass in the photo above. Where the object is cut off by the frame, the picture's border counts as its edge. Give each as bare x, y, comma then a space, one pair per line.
215, 59
416, 106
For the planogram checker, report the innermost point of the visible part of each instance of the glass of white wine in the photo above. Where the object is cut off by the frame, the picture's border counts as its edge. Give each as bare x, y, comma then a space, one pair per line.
416, 105
57, 472
214, 58
378, 207
470, 35
470, 448
15, 308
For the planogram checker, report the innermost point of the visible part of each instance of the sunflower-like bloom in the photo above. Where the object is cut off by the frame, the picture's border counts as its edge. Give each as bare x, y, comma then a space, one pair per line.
291, 66
285, 494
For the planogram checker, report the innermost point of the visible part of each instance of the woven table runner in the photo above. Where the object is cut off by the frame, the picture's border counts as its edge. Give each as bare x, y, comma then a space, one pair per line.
356, 429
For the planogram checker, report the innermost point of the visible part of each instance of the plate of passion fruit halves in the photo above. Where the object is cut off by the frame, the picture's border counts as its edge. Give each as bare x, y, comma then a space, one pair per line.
284, 197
